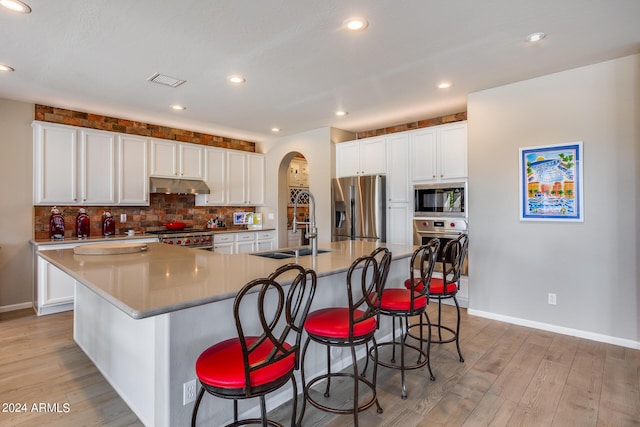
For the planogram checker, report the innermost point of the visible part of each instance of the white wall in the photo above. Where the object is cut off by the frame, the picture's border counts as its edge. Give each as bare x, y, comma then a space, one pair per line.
16, 208
317, 147
591, 266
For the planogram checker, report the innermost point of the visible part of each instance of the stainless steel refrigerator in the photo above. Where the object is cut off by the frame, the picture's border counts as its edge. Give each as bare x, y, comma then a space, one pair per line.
359, 208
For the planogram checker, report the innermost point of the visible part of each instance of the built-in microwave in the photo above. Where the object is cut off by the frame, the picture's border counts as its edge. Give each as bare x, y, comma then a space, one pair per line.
441, 199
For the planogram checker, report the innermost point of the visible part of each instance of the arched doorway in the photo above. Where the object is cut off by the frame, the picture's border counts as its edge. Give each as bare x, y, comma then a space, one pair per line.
293, 176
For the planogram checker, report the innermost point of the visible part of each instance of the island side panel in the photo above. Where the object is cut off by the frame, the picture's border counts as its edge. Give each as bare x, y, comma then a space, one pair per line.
132, 354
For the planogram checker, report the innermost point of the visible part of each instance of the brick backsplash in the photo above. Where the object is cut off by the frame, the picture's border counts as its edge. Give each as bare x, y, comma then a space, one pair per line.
95, 121
451, 118
163, 208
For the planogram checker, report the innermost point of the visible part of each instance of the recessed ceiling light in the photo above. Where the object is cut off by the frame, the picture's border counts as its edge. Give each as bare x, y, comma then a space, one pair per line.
275, 129
535, 37
445, 85
341, 113
16, 6
236, 79
355, 24
6, 68
178, 107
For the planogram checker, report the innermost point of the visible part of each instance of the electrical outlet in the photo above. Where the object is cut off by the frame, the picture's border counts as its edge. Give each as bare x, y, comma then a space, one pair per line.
123, 217
188, 392
552, 299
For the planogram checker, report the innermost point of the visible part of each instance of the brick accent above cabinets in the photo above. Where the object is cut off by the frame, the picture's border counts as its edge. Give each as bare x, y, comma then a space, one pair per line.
451, 118
95, 121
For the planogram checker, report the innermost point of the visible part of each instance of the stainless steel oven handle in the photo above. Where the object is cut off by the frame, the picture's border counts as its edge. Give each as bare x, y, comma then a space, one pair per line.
449, 235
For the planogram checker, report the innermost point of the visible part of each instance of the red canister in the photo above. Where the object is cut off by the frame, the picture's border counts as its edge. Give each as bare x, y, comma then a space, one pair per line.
56, 224
82, 224
108, 224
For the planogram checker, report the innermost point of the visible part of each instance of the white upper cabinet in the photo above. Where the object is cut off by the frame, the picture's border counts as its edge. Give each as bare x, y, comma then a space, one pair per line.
424, 155
236, 177
362, 157
190, 161
73, 166
133, 182
255, 179
55, 164
453, 151
398, 184
245, 178
164, 159
79, 166
176, 160
97, 167
439, 153
215, 174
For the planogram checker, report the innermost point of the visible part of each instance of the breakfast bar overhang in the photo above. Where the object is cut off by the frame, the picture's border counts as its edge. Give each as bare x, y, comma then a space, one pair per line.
144, 318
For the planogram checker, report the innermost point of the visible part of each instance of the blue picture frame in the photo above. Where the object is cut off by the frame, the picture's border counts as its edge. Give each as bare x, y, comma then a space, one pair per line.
551, 183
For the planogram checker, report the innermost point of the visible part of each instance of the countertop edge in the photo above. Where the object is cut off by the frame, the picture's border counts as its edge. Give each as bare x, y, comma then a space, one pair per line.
166, 309
125, 237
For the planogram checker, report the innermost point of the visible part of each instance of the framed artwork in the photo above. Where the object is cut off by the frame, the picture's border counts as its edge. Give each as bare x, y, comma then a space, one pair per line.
239, 218
551, 183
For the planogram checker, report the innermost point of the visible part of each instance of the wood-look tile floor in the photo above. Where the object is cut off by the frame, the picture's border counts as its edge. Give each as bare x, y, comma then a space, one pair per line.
512, 376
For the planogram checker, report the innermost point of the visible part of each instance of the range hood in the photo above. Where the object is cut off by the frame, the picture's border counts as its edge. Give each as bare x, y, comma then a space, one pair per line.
177, 186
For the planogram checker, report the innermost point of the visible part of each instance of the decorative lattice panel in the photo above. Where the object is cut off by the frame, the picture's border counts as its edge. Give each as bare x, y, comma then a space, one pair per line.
293, 193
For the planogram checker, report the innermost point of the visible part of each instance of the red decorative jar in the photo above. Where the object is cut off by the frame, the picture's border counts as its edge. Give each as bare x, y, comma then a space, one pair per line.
108, 224
56, 224
82, 224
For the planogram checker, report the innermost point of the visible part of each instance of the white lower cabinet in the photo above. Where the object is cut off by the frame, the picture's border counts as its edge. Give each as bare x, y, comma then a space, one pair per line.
55, 289
399, 224
224, 243
265, 240
244, 242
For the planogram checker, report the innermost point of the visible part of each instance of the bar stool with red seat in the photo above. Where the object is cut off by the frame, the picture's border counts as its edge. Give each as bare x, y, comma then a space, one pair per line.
250, 366
402, 303
346, 327
446, 287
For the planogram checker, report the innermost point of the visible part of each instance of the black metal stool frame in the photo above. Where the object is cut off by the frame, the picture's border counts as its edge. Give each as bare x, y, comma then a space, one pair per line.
425, 258
296, 307
453, 256
369, 284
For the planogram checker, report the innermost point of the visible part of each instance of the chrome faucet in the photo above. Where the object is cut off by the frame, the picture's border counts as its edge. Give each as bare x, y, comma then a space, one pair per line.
311, 229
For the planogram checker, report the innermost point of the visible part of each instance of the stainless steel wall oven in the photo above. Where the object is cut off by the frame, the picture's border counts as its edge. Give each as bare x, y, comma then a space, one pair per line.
445, 229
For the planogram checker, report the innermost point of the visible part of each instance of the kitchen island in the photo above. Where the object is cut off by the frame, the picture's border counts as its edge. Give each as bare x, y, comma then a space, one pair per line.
144, 318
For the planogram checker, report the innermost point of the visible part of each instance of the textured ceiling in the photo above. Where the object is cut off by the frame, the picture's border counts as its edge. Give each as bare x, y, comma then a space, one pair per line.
300, 64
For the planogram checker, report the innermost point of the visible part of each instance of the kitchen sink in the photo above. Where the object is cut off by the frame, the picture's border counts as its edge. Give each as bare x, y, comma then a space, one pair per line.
288, 253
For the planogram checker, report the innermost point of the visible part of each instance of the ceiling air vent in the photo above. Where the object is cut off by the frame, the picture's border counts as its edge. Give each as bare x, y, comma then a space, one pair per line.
165, 80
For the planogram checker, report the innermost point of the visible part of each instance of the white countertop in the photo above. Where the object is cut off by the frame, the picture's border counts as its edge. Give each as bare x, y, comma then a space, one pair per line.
167, 278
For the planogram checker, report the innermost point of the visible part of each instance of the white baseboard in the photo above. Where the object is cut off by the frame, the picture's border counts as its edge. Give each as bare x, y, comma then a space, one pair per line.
15, 307
623, 342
